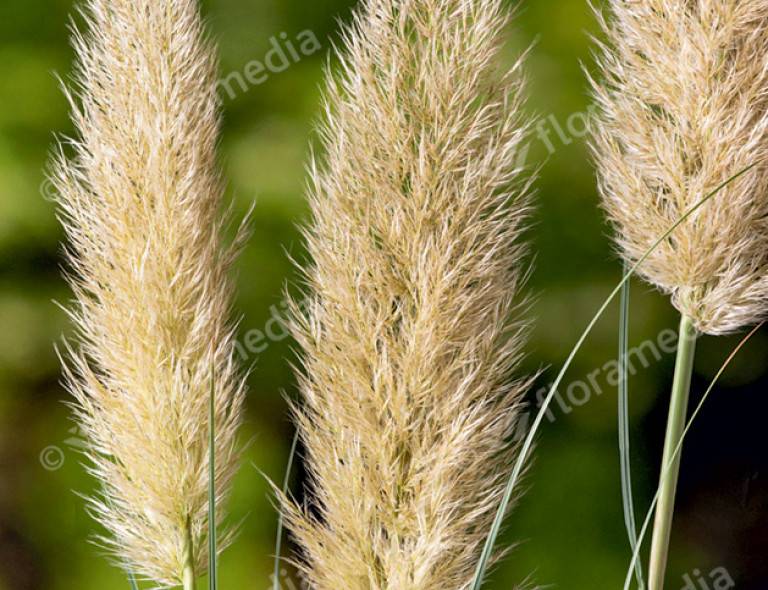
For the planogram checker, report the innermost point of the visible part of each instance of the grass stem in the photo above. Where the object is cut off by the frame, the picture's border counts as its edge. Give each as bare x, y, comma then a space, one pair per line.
678, 406
212, 551
694, 415
188, 574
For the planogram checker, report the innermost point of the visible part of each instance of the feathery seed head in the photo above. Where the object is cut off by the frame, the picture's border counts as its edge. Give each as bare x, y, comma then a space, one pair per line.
140, 201
417, 267
684, 108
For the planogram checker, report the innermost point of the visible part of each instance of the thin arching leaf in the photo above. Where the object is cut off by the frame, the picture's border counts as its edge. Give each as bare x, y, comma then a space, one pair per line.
280, 525
624, 444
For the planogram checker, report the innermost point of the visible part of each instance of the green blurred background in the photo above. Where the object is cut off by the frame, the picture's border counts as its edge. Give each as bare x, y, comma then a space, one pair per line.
569, 527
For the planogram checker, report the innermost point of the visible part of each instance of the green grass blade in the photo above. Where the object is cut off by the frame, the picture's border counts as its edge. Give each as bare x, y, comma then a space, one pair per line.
493, 534
280, 525
624, 441
212, 557
649, 515
132, 581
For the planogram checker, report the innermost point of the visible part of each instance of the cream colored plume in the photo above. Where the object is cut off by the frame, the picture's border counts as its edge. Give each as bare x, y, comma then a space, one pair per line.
140, 200
684, 108
413, 323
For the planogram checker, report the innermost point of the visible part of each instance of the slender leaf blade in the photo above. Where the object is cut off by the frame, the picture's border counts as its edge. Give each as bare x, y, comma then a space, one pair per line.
280, 519
624, 439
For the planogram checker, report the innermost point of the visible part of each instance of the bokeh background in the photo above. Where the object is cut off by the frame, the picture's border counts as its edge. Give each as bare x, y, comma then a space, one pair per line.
569, 527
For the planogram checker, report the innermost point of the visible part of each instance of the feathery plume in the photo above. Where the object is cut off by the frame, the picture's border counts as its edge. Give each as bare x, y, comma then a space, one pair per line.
412, 327
684, 114
684, 108
140, 201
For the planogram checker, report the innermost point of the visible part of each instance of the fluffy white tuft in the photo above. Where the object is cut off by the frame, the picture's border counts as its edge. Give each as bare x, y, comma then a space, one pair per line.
684, 108
140, 201
413, 326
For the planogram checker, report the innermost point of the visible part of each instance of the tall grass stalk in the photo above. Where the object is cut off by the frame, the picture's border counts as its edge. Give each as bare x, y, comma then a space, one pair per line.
683, 104
666, 469
514, 477
213, 554
140, 198
415, 323
678, 407
188, 575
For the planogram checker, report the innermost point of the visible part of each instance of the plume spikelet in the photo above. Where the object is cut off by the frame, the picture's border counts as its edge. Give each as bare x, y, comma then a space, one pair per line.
684, 108
412, 327
140, 200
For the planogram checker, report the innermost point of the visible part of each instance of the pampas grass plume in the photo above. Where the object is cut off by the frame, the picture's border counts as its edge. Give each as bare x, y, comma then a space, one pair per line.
139, 200
684, 106
412, 328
